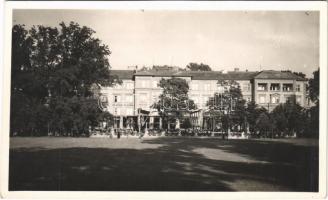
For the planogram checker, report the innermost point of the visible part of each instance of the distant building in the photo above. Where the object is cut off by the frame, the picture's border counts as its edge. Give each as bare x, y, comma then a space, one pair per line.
140, 90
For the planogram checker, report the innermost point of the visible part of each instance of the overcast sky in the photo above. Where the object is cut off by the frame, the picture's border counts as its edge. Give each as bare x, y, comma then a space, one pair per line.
222, 39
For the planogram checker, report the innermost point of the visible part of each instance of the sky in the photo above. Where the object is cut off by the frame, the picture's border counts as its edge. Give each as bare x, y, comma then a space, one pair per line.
248, 40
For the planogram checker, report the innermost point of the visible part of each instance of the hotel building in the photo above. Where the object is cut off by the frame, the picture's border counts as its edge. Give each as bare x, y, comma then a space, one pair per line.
139, 90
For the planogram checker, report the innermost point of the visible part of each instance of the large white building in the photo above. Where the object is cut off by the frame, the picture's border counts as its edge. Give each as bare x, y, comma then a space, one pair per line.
139, 90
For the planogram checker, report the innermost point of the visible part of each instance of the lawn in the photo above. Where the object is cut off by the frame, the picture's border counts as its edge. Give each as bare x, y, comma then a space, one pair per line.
162, 164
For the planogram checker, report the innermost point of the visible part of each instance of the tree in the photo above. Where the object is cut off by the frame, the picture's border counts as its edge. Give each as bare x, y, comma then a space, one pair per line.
252, 113
289, 118
312, 128
228, 105
198, 67
52, 68
174, 103
263, 124
314, 84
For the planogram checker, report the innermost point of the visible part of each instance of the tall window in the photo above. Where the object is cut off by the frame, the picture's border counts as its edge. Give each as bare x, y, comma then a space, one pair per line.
129, 111
144, 83
154, 84
129, 86
143, 97
207, 86
262, 98
275, 99
194, 86
116, 98
262, 87
129, 98
274, 87
298, 88
287, 87
298, 99
247, 87
289, 98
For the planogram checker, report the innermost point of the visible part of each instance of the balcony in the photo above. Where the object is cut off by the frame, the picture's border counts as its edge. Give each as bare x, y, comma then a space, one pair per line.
262, 87
275, 87
287, 87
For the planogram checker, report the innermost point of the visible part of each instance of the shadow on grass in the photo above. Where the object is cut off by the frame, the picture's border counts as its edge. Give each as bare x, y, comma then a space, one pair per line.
180, 164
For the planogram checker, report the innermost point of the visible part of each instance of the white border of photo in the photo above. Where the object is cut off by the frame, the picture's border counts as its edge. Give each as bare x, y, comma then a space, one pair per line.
161, 5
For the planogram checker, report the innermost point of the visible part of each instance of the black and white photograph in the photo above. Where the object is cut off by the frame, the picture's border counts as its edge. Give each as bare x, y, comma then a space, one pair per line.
165, 100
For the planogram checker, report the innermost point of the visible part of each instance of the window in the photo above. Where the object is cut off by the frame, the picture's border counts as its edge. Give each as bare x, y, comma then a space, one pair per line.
195, 99
287, 87
275, 99
154, 84
207, 86
129, 98
298, 88
116, 98
299, 99
289, 98
129, 111
129, 86
155, 98
143, 98
275, 87
220, 89
144, 83
194, 86
247, 87
116, 111
262, 87
205, 100
262, 98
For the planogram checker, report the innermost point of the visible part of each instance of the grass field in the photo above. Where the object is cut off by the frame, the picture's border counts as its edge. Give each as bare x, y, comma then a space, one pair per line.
163, 164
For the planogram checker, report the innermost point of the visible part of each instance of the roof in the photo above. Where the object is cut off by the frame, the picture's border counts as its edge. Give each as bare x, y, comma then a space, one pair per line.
210, 75
286, 75
199, 75
161, 73
123, 74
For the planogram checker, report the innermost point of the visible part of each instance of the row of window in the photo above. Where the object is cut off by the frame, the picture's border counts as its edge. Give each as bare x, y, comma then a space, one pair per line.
123, 111
287, 87
275, 99
123, 98
194, 86
128, 85
143, 97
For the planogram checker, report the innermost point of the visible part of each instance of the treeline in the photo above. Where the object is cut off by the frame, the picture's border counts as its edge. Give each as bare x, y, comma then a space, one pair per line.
287, 119
56, 73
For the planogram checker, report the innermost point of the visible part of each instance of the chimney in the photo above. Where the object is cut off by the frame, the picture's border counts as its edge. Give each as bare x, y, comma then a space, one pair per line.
236, 70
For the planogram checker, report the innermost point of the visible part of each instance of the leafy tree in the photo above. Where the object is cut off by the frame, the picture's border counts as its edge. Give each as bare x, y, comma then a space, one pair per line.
312, 123
186, 123
314, 84
263, 124
229, 103
52, 68
289, 118
252, 113
174, 102
198, 67
312, 128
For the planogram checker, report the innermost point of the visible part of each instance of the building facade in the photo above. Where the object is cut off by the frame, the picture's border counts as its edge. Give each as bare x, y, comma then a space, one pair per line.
139, 91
